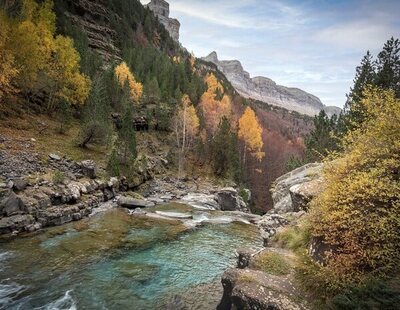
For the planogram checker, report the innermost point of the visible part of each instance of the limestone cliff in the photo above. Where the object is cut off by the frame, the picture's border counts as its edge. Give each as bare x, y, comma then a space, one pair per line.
93, 17
160, 8
266, 90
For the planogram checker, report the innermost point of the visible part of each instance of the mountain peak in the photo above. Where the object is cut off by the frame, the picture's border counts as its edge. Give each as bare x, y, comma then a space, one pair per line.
213, 57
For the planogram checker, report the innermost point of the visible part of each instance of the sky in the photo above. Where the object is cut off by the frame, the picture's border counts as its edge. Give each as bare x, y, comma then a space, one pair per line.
312, 45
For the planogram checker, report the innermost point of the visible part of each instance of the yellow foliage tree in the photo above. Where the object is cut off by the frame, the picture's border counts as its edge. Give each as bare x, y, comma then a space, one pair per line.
250, 132
186, 127
45, 62
358, 214
213, 108
7, 69
124, 76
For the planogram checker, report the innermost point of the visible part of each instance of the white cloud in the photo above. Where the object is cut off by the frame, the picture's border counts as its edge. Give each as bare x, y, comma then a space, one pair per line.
362, 34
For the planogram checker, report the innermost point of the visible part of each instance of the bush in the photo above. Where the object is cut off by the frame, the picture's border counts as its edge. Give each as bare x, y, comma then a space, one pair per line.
58, 177
271, 262
294, 238
373, 295
358, 214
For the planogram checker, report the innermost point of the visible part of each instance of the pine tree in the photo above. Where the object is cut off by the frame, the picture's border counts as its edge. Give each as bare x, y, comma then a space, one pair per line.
365, 75
321, 140
225, 155
126, 143
96, 128
388, 66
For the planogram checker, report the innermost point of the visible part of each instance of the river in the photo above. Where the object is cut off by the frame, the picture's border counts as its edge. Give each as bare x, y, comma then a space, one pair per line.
114, 260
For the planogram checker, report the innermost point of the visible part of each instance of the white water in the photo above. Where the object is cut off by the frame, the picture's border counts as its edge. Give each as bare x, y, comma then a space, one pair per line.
64, 303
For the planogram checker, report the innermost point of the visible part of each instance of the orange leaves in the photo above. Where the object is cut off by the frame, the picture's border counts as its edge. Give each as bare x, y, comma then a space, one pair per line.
124, 75
250, 132
213, 108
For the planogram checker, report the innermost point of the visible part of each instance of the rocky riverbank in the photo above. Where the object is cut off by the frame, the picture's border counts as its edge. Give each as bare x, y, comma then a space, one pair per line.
42, 190
266, 279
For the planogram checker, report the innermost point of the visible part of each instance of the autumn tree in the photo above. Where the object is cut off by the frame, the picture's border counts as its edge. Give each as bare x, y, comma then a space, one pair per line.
214, 103
250, 132
46, 62
124, 75
186, 127
7, 68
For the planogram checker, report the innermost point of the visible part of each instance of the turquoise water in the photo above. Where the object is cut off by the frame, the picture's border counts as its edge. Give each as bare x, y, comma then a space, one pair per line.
115, 261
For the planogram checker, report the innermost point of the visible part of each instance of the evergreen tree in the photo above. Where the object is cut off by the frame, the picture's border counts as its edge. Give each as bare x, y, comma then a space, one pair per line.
351, 115
96, 128
388, 66
152, 93
126, 143
225, 151
321, 140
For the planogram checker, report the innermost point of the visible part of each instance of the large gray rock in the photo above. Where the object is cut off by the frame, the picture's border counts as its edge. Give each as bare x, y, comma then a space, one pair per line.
19, 184
269, 224
252, 289
12, 204
229, 200
301, 194
266, 90
16, 223
281, 187
89, 168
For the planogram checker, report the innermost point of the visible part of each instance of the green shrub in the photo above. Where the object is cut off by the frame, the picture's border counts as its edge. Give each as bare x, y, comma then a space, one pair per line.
58, 177
271, 262
373, 295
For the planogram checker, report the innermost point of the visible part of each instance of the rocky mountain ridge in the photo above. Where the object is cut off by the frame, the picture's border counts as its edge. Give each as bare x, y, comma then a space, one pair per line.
160, 8
266, 90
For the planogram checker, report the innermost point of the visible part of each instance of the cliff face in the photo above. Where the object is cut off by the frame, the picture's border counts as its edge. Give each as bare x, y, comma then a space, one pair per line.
266, 90
160, 8
87, 15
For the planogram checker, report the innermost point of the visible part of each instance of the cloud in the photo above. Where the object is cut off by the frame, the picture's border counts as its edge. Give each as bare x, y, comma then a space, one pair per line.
361, 34
245, 14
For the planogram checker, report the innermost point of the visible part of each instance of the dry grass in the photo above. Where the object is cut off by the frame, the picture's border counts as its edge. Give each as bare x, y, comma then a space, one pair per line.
272, 263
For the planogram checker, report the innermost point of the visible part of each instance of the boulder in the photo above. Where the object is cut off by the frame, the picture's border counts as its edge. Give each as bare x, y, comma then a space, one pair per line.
269, 224
74, 191
15, 223
19, 184
244, 257
54, 157
108, 194
12, 204
89, 168
281, 187
131, 203
229, 200
253, 289
302, 194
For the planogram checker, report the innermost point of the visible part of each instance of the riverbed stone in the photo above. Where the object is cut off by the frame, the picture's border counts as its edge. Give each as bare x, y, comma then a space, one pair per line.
244, 257
132, 203
229, 200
